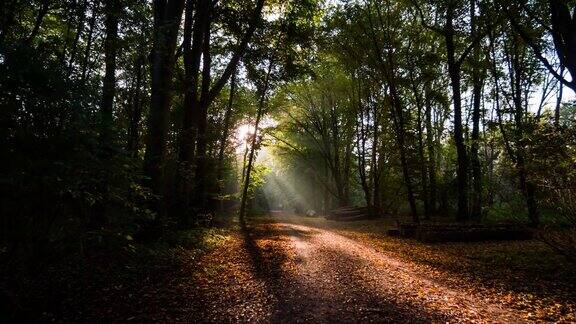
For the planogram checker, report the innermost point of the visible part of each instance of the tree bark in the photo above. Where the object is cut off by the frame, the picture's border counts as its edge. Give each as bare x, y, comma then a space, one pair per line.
135, 114
79, 30
387, 67
527, 188
259, 114
455, 82
361, 138
476, 204
422, 163
563, 27
167, 17
201, 194
558, 102
226, 129
88, 49
195, 24
193, 146
430, 149
477, 85
327, 196
517, 152
112, 11
38, 22
375, 168
208, 94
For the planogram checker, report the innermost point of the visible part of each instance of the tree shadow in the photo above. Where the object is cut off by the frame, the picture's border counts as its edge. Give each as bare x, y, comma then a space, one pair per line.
519, 267
340, 296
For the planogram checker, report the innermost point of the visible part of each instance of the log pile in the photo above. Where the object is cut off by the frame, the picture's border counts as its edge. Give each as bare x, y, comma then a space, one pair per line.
434, 233
347, 214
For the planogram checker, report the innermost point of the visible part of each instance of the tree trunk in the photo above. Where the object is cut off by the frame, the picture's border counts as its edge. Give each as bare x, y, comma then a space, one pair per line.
347, 170
244, 160
88, 49
135, 114
195, 24
387, 67
194, 144
167, 17
476, 206
477, 84
526, 186
422, 163
112, 11
398, 118
431, 151
201, 191
361, 138
38, 22
226, 129
563, 26
528, 190
454, 72
327, 203
259, 114
79, 30
558, 102
375, 168
408, 183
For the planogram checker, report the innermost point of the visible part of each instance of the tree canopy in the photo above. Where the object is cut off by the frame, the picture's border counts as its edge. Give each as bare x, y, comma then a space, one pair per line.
131, 120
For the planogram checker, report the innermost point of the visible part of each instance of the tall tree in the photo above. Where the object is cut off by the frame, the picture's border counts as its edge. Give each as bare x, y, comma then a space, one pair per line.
226, 128
381, 26
561, 26
112, 10
455, 59
478, 71
167, 18
201, 91
136, 106
522, 75
254, 139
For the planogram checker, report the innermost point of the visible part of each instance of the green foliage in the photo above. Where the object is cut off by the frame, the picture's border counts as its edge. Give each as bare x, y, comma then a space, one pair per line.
198, 238
257, 179
62, 187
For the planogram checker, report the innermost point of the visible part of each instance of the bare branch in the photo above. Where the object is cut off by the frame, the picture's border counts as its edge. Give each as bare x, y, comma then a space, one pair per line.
536, 49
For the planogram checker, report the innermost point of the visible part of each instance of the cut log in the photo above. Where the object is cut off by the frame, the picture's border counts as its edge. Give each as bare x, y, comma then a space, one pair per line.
434, 233
349, 213
471, 233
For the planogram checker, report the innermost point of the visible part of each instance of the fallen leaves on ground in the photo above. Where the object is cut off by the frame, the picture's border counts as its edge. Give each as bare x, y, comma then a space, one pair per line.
312, 270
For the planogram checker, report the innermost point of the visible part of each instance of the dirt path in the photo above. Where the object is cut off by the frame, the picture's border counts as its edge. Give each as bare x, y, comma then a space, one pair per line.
287, 272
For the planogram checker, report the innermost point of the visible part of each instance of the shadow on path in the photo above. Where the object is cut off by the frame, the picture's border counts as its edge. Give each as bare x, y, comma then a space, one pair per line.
314, 282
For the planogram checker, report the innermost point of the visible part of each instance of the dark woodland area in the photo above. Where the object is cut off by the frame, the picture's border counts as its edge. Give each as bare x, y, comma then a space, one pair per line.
284, 161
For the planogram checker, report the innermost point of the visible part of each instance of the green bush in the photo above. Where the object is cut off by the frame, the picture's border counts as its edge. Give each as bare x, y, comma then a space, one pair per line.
62, 187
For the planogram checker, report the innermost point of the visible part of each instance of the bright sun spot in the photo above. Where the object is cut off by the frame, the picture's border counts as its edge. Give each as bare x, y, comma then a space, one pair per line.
243, 133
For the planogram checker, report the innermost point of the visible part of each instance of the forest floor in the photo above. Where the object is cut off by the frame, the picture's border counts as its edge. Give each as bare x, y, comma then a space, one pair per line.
286, 268
296, 269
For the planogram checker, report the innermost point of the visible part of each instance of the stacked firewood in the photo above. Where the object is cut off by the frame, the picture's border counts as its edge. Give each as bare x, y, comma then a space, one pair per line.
349, 213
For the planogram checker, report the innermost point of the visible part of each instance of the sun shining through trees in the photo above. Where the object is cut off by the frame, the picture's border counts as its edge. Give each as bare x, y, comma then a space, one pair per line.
244, 132
242, 137
287, 161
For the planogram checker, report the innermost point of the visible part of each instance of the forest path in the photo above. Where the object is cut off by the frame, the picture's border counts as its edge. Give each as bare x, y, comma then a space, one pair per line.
300, 273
